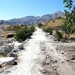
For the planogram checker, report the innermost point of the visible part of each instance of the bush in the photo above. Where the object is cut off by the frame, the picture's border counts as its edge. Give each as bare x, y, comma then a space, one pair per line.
48, 30
32, 28
24, 33
40, 25
58, 35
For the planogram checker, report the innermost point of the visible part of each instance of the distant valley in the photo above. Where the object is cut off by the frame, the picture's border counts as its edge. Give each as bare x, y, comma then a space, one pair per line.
31, 20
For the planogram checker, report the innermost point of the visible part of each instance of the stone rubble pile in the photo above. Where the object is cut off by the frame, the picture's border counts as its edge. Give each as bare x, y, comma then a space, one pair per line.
10, 48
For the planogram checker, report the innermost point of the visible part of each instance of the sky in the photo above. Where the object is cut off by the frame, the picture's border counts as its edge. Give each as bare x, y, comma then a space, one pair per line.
10, 9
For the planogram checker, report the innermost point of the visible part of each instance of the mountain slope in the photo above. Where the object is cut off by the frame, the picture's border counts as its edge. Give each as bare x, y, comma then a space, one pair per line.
29, 20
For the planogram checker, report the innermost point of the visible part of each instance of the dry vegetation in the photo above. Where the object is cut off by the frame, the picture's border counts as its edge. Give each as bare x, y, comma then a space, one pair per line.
54, 24
11, 29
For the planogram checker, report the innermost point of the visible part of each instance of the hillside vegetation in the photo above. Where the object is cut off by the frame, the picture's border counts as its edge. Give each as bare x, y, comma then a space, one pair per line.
54, 24
20, 33
54, 27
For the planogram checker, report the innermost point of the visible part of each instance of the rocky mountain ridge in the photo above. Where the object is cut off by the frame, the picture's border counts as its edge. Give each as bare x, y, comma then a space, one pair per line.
30, 20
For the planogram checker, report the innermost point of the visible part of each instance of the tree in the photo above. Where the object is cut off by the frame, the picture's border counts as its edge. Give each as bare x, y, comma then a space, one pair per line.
68, 4
69, 21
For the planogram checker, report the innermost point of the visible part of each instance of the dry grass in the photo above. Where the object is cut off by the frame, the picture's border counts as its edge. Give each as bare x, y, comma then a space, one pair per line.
9, 29
55, 24
5, 33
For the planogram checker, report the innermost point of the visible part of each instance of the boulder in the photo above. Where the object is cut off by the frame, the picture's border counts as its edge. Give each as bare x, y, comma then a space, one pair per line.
11, 62
6, 49
7, 61
3, 41
21, 47
18, 45
10, 40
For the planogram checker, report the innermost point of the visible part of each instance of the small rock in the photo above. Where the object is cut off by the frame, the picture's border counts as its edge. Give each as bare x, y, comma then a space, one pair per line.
21, 47
15, 63
11, 62
51, 50
67, 60
0, 66
43, 71
10, 40
53, 61
54, 68
12, 54
73, 57
7, 72
62, 61
56, 48
48, 62
15, 50
62, 53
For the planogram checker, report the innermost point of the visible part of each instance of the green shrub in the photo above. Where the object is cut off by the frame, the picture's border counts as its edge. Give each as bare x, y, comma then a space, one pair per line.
58, 35
24, 33
40, 25
32, 28
48, 30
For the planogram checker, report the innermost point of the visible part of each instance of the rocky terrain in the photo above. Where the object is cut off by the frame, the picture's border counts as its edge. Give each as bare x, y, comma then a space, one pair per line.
39, 55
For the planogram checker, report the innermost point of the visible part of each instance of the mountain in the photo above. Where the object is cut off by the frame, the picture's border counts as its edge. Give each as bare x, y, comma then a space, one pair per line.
30, 20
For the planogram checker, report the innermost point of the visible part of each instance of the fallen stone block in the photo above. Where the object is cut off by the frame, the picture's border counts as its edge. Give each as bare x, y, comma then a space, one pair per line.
7, 60
21, 47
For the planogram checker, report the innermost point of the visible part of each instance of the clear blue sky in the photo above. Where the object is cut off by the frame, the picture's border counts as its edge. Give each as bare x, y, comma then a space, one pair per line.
20, 8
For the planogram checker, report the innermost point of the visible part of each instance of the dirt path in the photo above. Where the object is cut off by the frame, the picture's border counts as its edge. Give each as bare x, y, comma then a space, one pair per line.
41, 57
28, 59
